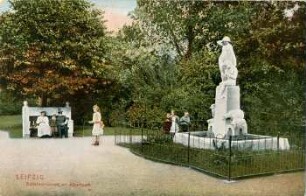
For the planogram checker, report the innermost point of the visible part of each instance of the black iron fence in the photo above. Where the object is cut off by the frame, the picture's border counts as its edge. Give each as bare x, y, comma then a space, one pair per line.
231, 158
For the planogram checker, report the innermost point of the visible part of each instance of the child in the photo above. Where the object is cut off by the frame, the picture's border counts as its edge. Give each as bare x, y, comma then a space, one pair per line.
98, 125
53, 125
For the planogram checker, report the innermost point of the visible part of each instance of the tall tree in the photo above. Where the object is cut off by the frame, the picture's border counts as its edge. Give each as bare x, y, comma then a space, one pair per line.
188, 26
147, 74
269, 46
52, 48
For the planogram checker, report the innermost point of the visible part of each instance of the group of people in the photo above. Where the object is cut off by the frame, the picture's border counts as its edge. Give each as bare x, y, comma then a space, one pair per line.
56, 126
173, 123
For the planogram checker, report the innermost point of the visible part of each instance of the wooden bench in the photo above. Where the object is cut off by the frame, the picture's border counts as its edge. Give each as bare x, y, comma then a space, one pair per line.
30, 114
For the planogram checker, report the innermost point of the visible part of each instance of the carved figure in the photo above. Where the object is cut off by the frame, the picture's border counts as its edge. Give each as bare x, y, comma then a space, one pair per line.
236, 123
227, 60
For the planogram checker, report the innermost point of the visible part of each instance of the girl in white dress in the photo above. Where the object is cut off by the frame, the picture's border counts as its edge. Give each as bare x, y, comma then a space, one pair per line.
98, 125
174, 125
43, 127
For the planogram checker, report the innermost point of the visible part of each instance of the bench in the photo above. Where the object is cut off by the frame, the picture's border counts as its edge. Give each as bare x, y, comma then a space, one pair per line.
30, 115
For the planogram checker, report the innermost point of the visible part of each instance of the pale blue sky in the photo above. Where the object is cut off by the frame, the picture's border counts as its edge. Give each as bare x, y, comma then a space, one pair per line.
4, 5
115, 14
122, 6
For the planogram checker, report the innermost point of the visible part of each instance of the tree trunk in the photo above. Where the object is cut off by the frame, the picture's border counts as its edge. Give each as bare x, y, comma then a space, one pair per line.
43, 100
190, 38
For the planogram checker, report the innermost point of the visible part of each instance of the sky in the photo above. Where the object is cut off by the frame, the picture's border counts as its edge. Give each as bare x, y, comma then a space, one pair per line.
115, 11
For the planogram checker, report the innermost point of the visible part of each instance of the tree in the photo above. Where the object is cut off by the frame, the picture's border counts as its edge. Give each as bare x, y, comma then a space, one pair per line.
145, 75
9, 104
190, 25
269, 47
272, 62
52, 48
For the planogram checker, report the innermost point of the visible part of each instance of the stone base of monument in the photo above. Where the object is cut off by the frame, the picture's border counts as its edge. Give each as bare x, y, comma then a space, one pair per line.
227, 127
204, 140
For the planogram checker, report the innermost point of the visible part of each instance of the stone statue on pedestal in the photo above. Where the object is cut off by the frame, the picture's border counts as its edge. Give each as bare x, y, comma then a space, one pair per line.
227, 61
227, 64
228, 119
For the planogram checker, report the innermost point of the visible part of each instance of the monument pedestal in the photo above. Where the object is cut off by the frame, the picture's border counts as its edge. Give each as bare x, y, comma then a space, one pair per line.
228, 118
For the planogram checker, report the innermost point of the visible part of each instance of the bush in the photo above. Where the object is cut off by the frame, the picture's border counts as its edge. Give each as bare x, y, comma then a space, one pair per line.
9, 104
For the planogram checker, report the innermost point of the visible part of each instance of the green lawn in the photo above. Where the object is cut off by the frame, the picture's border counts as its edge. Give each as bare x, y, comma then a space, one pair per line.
13, 124
243, 164
10, 121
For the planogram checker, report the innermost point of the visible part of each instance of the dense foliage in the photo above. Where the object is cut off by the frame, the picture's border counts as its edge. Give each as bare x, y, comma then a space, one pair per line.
166, 59
269, 46
51, 49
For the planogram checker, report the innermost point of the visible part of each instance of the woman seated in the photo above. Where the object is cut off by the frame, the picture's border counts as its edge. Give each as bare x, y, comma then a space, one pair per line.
167, 124
43, 128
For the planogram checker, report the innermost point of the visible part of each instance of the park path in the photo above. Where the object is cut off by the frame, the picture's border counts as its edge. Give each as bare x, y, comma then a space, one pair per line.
73, 167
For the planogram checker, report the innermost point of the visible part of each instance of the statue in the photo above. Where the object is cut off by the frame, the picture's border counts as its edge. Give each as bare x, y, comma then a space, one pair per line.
227, 117
227, 60
212, 108
227, 64
237, 124
211, 121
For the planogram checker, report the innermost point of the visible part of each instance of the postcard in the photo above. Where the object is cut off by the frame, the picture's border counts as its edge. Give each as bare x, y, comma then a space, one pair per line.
163, 97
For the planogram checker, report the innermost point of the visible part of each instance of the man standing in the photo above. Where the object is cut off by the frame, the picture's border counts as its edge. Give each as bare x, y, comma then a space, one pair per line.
62, 122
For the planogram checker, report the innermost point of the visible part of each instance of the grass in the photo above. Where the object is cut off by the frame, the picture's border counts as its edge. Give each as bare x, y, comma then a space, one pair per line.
13, 124
216, 162
10, 121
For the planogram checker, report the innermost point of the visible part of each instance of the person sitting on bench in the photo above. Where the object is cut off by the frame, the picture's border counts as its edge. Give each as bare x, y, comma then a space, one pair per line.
62, 124
185, 122
43, 128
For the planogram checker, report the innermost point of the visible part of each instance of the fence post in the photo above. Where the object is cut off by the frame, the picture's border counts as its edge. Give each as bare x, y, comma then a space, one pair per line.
83, 127
230, 158
115, 136
188, 150
120, 137
278, 133
141, 138
130, 132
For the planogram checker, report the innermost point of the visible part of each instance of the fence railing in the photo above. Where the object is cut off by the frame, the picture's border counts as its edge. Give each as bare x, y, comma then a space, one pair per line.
230, 161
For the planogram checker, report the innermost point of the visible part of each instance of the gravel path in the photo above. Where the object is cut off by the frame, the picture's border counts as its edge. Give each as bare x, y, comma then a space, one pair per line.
73, 167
